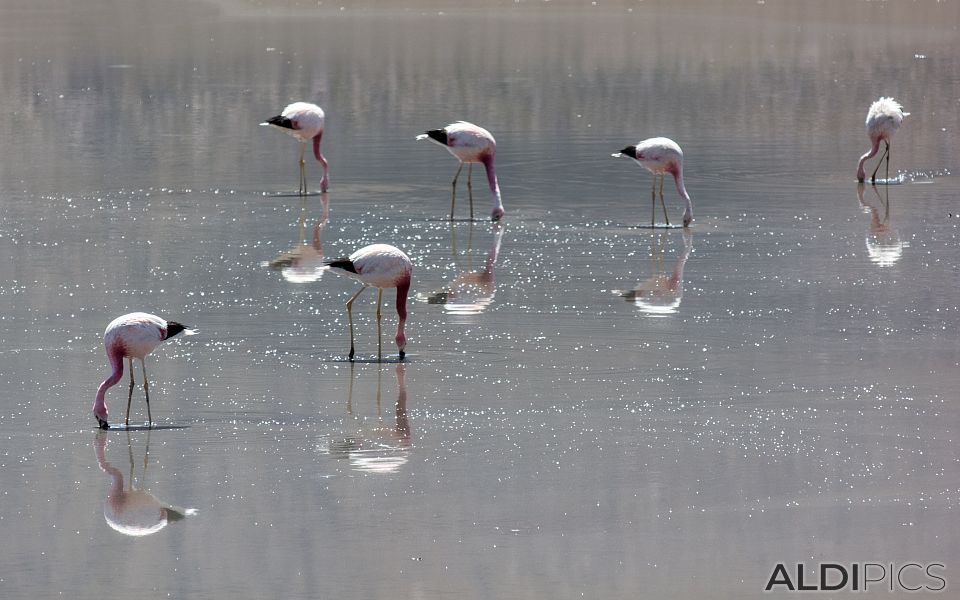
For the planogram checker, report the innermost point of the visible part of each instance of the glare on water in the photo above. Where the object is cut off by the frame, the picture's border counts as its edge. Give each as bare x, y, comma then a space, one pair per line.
589, 407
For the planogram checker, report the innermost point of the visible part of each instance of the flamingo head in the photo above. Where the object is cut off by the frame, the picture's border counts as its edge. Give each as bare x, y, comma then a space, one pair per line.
687, 218
497, 214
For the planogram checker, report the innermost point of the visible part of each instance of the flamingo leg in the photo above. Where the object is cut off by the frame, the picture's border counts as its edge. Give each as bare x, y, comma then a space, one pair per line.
470, 187
888, 162
303, 171
666, 218
350, 318
379, 342
146, 391
653, 201
453, 196
886, 153
130, 394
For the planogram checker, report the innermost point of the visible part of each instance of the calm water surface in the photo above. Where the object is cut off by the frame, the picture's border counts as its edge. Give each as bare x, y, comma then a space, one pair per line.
589, 408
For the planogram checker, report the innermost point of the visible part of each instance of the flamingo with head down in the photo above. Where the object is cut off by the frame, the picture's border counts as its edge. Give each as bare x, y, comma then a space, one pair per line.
130, 336
381, 266
470, 144
883, 120
660, 156
303, 121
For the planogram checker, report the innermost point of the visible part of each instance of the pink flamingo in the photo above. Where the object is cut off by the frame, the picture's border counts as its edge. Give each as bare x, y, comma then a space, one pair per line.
883, 120
380, 266
134, 335
470, 144
303, 121
661, 155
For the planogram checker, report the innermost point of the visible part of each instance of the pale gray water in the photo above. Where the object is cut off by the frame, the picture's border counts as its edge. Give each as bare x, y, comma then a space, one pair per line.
793, 401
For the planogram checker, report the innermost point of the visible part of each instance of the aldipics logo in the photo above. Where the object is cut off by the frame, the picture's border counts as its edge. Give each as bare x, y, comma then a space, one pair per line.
858, 577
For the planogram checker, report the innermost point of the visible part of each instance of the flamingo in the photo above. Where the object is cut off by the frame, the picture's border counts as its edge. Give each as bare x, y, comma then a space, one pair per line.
660, 156
303, 121
380, 266
883, 120
469, 144
134, 335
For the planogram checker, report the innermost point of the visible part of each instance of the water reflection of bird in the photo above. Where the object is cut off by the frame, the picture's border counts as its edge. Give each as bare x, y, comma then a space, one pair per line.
883, 120
884, 246
383, 448
470, 144
380, 266
134, 335
304, 262
661, 156
131, 510
472, 291
304, 121
661, 294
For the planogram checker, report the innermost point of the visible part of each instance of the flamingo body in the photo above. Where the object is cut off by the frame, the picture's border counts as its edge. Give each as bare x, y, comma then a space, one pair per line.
303, 121
381, 266
662, 155
470, 144
883, 120
133, 335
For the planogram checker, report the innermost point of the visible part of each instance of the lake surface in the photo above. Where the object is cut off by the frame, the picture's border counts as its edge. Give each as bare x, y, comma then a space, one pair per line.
589, 408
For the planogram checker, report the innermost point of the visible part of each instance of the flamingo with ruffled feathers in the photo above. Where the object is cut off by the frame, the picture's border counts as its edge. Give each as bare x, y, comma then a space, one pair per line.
381, 266
660, 156
303, 121
134, 335
883, 120
470, 144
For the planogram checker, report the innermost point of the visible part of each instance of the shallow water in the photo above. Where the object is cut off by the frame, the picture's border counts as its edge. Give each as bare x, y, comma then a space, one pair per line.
589, 407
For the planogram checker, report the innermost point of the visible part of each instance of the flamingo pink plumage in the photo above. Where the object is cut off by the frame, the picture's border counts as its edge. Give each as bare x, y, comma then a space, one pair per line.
304, 121
380, 266
131, 336
661, 155
470, 144
883, 120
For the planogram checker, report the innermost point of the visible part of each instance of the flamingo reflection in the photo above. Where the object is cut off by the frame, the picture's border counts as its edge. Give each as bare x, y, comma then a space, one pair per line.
884, 246
472, 291
132, 510
382, 447
660, 294
304, 262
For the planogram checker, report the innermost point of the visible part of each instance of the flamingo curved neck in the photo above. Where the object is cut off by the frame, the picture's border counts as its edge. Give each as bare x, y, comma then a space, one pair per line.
494, 187
688, 206
116, 362
403, 290
861, 174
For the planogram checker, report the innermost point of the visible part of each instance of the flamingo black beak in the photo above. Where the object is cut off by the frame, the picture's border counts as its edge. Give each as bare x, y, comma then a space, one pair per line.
103, 424
629, 152
402, 354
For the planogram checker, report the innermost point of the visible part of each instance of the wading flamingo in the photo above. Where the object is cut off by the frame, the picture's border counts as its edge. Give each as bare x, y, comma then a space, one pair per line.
380, 266
470, 144
134, 335
303, 121
660, 156
883, 120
